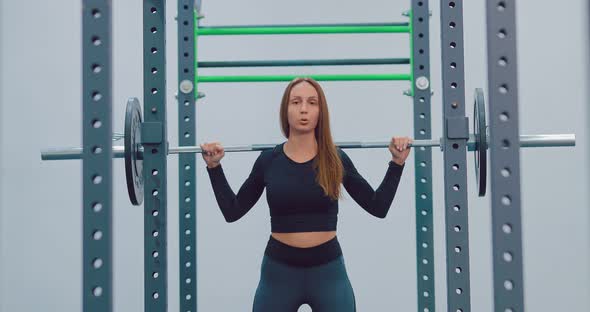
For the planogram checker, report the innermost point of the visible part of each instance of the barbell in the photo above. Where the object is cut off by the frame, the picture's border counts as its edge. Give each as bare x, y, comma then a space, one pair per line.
132, 150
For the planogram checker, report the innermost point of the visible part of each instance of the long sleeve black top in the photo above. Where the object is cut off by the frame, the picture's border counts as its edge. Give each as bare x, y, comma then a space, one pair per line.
296, 202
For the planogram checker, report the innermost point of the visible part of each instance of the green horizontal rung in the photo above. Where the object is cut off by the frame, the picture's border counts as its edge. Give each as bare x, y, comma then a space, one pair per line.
290, 30
271, 78
336, 62
310, 25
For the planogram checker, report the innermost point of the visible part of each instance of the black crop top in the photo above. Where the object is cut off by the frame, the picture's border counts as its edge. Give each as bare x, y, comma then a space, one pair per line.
297, 203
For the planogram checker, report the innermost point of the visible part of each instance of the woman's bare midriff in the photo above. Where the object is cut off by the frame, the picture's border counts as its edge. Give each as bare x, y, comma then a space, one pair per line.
304, 239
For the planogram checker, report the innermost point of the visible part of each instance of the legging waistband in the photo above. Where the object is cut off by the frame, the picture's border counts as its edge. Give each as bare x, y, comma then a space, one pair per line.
303, 257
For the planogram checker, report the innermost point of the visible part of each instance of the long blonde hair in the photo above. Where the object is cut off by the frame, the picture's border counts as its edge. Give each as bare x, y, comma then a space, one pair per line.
328, 165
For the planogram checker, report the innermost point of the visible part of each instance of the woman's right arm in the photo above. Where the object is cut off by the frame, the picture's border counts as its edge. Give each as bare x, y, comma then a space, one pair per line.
234, 206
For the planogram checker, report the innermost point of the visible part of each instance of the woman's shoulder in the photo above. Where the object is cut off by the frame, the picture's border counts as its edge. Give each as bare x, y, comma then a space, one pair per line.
267, 154
342, 154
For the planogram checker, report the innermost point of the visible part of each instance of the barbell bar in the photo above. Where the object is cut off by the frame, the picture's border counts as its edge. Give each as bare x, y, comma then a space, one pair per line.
132, 150
536, 140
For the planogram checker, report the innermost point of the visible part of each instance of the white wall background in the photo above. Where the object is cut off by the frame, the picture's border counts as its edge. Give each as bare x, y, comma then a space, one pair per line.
40, 216
1, 162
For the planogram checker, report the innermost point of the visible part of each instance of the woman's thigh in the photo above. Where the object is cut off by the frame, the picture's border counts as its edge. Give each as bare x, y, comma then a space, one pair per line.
329, 289
280, 288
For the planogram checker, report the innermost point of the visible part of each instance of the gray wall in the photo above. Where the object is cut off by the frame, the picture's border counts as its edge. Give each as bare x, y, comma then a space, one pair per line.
40, 243
1, 145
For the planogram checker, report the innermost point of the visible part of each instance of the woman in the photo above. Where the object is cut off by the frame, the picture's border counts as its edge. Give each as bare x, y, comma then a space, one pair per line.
303, 261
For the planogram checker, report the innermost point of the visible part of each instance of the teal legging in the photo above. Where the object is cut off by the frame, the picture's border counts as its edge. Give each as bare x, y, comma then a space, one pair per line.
284, 288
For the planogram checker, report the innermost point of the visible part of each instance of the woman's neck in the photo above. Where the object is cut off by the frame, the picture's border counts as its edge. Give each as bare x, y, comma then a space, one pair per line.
304, 144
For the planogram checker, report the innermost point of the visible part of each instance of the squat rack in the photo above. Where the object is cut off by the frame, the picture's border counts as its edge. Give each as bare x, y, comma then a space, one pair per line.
147, 147
97, 25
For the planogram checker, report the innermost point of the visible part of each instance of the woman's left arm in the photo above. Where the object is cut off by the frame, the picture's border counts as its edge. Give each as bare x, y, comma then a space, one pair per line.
376, 202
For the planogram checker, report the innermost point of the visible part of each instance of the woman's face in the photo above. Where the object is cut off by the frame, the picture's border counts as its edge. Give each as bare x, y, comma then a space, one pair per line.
304, 108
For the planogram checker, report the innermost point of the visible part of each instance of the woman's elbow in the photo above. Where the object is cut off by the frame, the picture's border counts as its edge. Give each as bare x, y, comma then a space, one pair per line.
231, 218
378, 211
381, 214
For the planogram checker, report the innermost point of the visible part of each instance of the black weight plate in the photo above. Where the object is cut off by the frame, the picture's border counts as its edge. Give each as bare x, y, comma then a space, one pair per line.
133, 161
481, 144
